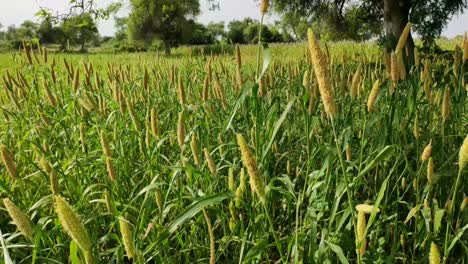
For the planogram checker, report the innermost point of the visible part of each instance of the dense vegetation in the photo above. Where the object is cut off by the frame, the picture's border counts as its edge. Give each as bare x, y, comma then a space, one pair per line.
174, 160
324, 153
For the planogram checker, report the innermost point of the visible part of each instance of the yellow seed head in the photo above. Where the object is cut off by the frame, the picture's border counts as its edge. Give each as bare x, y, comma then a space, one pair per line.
195, 150
105, 145
348, 152
72, 224
44, 53
264, 5
401, 66
416, 130
28, 53
20, 219
110, 169
388, 63
366, 208
434, 255
239, 79
210, 161
232, 224
427, 152
323, 75
249, 162
145, 79
242, 180
464, 203
373, 96
76, 80
306, 80
154, 122
361, 233
446, 104
206, 89
83, 136
261, 88
181, 91
355, 82
52, 175
9, 162
133, 115
463, 154
108, 201
403, 38
127, 238
220, 91
465, 51
238, 57
159, 199
212, 238
231, 180
50, 96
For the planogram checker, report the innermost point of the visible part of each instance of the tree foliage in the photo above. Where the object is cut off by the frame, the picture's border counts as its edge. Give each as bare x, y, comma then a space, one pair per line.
170, 21
364, 17
79, 29
246, 32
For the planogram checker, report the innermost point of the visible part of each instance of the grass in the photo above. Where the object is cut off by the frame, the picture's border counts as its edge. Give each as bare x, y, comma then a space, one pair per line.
160, 206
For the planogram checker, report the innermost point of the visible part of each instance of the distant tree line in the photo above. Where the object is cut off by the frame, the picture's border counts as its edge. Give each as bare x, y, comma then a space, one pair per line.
165, 24
80, 31
194, 33
76, 30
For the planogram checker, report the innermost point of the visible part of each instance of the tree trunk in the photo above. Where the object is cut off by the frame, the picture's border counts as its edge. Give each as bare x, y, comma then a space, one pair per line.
396, 14
167, 49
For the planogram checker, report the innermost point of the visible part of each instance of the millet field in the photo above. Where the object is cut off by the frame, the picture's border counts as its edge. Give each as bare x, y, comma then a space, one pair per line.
306, 153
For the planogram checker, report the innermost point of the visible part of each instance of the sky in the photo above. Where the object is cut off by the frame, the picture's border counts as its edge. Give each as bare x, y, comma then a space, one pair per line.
16, 11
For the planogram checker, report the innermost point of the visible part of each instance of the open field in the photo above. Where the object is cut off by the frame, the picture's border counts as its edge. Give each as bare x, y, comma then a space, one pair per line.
189, 159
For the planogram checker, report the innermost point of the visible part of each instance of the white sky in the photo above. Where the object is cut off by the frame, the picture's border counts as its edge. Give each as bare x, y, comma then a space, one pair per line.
16, 11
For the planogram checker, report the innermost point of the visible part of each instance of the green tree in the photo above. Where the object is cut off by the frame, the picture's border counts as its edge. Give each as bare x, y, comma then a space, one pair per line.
121, 28
166, 20
28, 31
429, 16
295, 23
200, 35
235, 32
49, 33
79, 29
216, 30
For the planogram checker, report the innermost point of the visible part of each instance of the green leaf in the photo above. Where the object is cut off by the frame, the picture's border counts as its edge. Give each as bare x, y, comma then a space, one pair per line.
196, 207
74, 253
239, 101
377, 203
6, 254
278, 124
412, 213
266, 61
457, 237
439, 214
338, 251
380, 157
257, 250
149, 188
